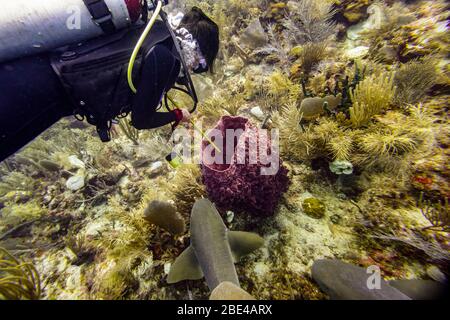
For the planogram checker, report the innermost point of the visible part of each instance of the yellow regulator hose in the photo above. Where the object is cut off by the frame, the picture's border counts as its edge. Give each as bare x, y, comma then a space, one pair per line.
139, 45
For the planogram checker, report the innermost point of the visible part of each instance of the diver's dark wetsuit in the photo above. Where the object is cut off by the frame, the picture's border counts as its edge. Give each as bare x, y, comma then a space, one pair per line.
33, 98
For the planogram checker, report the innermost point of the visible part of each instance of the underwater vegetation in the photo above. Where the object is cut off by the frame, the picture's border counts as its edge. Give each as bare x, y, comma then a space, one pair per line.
371, 97
358, 92
19, 280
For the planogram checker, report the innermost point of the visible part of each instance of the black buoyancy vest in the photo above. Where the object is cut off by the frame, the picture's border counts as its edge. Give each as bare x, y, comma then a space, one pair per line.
94, 73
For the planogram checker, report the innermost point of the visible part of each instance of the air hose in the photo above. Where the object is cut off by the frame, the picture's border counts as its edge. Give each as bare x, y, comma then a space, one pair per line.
139, 44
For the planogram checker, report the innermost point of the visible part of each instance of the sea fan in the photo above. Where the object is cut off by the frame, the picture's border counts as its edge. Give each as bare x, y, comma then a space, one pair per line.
311, 22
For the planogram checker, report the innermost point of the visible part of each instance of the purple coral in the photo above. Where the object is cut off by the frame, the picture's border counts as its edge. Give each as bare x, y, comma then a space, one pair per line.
238, 184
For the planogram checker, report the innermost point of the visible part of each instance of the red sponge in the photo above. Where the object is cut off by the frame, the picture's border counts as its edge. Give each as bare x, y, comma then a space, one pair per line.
239, 186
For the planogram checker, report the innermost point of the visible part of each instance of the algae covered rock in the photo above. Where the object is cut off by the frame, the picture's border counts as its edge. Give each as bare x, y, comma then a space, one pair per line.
314, 208
165, 216
254, 36
341, 167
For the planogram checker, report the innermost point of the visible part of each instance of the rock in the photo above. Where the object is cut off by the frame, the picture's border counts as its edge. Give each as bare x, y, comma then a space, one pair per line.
387, 54
230, 216
421, 289
437, 275
341, 167
234, 66
258, 113
155, 169
344, 281
141, 163
204, 86
314, 208
254, 35
357, 52
229, 291
50, 165
123, 182
75, 183
76, 163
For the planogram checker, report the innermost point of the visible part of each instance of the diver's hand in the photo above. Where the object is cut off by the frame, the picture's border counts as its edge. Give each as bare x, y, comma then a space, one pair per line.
186, 116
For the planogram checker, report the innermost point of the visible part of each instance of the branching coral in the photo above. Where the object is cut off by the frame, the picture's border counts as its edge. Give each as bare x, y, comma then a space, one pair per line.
275, 47
414, 79
310, 56
341, 146
221, 103
309, 21
279, 86
18, 280
373, 95
295, 141
387, 143
300, 143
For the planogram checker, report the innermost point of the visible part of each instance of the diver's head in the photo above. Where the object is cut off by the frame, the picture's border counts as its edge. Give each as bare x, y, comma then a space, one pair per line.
206, 32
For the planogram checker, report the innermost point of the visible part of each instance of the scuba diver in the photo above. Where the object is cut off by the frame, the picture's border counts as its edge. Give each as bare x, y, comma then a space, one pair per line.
88, 79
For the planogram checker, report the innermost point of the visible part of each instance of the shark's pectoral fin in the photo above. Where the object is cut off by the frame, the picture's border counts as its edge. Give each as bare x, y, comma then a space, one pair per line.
243, 243
185, 267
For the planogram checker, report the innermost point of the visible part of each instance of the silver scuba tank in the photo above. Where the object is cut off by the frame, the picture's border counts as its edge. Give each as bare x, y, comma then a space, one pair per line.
29, 27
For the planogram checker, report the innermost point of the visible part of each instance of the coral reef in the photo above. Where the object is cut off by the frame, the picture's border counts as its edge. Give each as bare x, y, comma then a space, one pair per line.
358, 91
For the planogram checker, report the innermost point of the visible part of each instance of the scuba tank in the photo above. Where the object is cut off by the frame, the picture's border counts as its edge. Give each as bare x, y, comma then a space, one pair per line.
32, 27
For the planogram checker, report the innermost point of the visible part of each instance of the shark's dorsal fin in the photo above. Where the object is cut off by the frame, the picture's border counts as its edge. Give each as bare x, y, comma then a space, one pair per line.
243, 243
185, 267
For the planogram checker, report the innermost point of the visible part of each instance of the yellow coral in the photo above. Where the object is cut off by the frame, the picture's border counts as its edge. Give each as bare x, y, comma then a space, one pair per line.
19, 280
295, 141
280, 86
371, 97
387, 143
341, 146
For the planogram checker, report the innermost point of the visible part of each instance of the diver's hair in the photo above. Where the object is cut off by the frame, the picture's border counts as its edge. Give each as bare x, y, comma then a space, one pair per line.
205, 31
